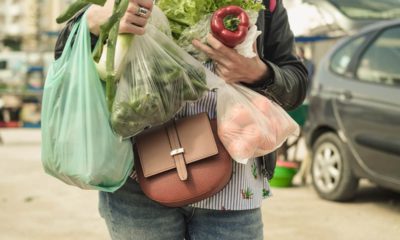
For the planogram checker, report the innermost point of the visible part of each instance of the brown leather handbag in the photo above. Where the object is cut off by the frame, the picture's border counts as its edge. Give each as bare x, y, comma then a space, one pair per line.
182, 162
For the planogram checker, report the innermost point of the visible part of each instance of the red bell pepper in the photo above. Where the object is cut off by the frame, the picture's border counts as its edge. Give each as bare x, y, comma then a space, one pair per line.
230, 25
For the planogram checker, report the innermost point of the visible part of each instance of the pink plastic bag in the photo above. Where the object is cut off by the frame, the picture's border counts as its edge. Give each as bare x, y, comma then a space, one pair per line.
249, 124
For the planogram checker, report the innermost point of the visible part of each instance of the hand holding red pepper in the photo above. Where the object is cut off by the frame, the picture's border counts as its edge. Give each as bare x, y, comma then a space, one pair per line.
230, 25
230, 65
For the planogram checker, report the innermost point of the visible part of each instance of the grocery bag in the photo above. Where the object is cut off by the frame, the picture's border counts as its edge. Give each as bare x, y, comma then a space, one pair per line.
78, 144
159, 78
249, 124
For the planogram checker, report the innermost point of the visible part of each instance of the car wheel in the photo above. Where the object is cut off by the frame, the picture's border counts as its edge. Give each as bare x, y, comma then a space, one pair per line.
331, 172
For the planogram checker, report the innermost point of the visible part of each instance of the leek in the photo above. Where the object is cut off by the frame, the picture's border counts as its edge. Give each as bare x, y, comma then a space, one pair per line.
124, 41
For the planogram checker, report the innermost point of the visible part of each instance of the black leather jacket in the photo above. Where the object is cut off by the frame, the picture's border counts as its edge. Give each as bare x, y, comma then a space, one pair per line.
288, 82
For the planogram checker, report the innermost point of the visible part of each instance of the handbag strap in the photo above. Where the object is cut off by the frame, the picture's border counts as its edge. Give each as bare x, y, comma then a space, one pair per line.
177, 152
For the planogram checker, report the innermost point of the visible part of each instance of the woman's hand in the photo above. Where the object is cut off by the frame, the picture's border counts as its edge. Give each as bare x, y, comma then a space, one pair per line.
132, 22
230, 65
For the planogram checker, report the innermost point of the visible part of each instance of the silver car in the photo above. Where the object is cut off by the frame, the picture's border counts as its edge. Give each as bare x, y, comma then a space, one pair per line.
353, 126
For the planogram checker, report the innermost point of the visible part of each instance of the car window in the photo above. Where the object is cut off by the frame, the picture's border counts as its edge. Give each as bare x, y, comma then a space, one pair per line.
380, 62
342, 58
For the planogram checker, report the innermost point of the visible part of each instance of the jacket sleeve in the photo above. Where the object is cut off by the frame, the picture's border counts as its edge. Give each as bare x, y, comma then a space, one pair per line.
287, 84
64, 34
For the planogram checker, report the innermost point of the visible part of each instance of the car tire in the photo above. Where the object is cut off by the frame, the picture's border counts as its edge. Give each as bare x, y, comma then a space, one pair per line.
331, 171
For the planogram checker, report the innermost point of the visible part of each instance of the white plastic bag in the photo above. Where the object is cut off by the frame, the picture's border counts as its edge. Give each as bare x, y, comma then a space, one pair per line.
246, 48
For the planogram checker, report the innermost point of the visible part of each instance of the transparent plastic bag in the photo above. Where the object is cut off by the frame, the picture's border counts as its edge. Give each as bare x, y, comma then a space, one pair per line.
249, 124
159, 78
157, 19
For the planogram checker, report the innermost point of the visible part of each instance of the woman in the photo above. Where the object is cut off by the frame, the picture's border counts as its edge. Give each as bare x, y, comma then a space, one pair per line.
233, 213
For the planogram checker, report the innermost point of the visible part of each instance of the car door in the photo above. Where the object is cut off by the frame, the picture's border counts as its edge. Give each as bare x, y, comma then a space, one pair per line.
368, 107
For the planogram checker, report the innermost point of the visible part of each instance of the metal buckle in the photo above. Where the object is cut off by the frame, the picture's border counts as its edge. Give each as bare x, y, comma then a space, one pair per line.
177, 151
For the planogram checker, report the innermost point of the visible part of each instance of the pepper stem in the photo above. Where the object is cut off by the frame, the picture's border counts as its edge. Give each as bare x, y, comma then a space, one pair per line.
231, 22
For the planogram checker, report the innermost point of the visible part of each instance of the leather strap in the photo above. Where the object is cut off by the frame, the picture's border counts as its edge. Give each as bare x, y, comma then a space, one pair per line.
176, 151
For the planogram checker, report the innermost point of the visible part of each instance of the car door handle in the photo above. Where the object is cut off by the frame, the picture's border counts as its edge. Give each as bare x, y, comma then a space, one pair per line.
346, 95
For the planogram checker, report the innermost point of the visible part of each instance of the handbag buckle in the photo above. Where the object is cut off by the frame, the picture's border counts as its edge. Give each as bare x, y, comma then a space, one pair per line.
177, 151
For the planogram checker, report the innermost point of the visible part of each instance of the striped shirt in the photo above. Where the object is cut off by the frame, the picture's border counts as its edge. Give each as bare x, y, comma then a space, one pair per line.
247, 186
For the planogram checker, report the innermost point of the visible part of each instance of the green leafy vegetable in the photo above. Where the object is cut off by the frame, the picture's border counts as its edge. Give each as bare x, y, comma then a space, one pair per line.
185, 13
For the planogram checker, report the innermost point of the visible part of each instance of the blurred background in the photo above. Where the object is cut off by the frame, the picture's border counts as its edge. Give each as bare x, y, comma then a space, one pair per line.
339, 180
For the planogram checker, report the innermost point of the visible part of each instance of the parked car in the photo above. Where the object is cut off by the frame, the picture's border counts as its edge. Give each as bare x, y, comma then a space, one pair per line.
353, 127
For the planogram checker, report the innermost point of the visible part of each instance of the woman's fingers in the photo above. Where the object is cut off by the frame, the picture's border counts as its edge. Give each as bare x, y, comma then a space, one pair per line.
139, 10
131, 28
217, 56
135, 20
136, 16
220, 61
204, 48
219, 46
230, 65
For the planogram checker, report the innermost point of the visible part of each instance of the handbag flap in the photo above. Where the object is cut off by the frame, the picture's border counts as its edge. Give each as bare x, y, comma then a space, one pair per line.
195, 137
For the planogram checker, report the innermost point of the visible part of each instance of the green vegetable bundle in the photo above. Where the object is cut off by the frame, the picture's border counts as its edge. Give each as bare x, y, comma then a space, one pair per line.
158, 79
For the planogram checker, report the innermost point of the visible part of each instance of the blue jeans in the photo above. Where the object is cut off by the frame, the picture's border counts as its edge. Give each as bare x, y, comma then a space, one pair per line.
129, 214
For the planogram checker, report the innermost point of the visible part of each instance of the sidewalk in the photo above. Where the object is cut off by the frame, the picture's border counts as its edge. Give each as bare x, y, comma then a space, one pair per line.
36, 206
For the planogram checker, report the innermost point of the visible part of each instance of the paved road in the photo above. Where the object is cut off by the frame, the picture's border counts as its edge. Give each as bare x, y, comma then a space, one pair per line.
34, 206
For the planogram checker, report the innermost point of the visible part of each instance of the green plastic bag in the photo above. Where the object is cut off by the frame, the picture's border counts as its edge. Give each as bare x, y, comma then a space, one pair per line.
78, 144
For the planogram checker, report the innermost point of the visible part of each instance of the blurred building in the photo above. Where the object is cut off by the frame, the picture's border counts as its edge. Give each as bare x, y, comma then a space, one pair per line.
50, 10
29, 24
19, 19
